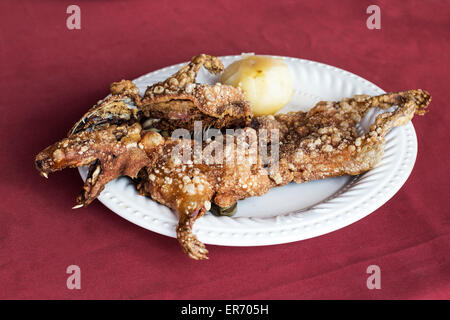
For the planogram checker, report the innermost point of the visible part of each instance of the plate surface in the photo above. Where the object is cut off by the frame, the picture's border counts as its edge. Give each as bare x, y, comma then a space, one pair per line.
295, 211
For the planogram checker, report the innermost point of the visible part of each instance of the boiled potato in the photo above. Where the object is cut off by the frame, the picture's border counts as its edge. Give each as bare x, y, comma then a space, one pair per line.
266, 82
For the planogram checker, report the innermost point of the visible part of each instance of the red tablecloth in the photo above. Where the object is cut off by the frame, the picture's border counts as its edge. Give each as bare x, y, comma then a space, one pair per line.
50, 76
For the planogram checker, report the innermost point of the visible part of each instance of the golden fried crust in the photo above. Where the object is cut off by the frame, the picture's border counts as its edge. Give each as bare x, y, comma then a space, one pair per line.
179, 101
321, 143
111, 152
324, 142
186, 189
124, 87
317, 144
189, 188
186, 75
217, 106
212, 100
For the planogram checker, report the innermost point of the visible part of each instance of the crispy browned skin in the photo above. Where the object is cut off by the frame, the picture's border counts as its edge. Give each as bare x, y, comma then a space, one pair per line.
179, 101
314, 145
189, 188
324, 142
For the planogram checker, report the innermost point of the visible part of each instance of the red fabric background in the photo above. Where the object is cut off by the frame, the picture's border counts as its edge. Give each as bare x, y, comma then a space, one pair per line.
51, 75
